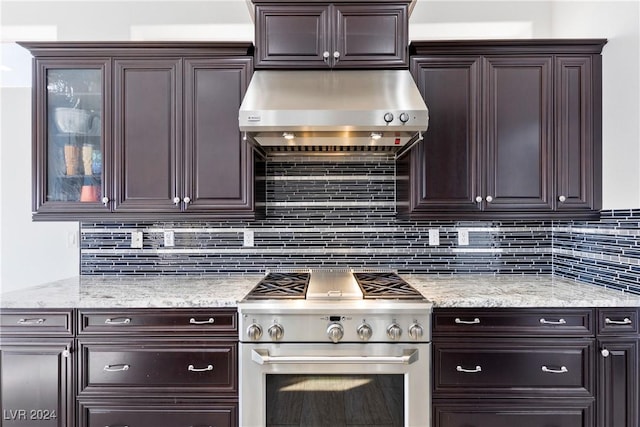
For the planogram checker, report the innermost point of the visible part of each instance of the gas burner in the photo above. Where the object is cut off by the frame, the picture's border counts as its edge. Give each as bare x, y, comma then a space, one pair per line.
290, 285
385, 285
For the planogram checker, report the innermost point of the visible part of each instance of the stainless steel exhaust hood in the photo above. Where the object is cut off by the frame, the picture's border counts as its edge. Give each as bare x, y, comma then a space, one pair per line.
338, 108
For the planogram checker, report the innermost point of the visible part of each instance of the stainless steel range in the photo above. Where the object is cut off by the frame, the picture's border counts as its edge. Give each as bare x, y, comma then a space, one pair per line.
334, 347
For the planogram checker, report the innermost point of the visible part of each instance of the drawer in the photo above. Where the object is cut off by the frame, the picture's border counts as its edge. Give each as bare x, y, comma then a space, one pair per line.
512, 367
113, 414
513, 322
540, 413
36, 322
157, 367
204, 322
618, 321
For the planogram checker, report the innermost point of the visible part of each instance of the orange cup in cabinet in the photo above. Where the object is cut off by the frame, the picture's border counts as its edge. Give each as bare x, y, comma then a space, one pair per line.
72, 156
89, 193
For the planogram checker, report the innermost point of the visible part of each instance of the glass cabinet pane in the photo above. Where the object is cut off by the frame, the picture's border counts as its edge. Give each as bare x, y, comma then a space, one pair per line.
74, 141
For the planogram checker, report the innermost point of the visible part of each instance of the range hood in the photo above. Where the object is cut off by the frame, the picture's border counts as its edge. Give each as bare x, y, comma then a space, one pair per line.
364, 110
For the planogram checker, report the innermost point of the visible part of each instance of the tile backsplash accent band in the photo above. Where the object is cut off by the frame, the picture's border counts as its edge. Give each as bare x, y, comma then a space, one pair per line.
341, 213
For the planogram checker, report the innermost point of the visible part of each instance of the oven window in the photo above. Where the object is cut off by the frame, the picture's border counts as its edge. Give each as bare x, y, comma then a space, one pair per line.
335, 400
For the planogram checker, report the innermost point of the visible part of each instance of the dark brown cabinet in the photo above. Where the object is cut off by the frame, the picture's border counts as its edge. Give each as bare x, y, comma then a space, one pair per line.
514, 131
164, 131
336, 34
36, 365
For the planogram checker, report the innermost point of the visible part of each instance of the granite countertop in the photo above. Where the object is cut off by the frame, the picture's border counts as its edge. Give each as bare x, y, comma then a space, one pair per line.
226, 290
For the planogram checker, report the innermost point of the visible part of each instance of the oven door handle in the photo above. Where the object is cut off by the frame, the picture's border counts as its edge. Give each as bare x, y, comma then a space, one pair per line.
262, 357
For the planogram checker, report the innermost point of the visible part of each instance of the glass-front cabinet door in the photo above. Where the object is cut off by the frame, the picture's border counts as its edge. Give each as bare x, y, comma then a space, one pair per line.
71, 135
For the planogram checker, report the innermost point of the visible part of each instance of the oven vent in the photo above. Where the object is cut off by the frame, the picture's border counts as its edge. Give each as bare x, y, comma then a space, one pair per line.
329, 149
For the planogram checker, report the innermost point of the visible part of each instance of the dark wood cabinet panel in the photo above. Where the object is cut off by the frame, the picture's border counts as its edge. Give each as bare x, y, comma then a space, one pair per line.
36, 382
518, 151
331, 34
618, 321
618, 385
147, 122
218, 164
19, 322
531, 413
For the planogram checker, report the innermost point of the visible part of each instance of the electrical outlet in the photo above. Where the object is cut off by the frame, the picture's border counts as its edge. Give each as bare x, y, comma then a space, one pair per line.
169, 239
248, 238
463, 237
136, 239
72, 239
434, 237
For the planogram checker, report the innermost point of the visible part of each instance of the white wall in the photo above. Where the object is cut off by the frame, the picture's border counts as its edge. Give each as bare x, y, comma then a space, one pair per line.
32, 253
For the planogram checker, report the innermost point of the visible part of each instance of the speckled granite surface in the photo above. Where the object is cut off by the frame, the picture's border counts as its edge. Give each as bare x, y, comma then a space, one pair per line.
226, 291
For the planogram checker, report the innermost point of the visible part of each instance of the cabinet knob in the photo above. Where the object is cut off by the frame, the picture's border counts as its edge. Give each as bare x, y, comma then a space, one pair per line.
176, 200
105, 200
489, 199
336, 54
562, 198
479, 199
186, 200
326, 54
604, 352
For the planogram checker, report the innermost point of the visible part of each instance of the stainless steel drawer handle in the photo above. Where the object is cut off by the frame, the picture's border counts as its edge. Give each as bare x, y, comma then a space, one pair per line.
201, 322
477, 369
562, 370
262, 357
118, 321
33, 321
553, 322
117, 425
116, 368
625, 321
194, 369
459, 321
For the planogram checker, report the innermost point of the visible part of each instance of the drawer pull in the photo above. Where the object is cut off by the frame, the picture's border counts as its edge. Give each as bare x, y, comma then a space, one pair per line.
34, 321
553, 322
625, 321
459, 321
116, 368
562, 370
118, 321
194, 369
201, 322
477, 369
116, 425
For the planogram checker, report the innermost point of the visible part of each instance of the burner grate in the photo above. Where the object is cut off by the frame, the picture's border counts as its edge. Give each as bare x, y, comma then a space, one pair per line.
281, 285
385, 285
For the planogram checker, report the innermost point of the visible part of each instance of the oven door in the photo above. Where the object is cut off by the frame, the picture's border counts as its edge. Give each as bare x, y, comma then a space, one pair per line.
327, 384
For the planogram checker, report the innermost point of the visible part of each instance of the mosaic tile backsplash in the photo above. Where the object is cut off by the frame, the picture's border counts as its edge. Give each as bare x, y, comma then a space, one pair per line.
341, 213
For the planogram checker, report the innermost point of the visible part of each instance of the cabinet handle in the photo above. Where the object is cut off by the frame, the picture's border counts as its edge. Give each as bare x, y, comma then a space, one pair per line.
105, 200
478, 199
604, 352
176, 200
553, 322
459, 321
477, 369
187, 200
562, 198
116, 425
562, 370
118, 321
336, 57
194, 369
201, 322
33, 321
625, 321
489, 199
325, 56
116, 368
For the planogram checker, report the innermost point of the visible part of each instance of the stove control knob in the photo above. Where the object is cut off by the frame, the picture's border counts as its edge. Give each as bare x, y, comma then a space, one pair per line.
335, 332
416, 331
276, 332
394, 331
404, 117
254, 331
388, 117
364, 332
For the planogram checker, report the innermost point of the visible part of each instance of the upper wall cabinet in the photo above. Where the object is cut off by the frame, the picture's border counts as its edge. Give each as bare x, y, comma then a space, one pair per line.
514, 130
319, 34
141, 130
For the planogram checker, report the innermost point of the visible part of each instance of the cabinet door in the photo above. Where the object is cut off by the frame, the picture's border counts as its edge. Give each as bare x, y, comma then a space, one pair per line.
36, 383
294, 36
618, 383
218, 163
147, 119
518, 147
375, 35
444, 166
574, 134
70, 134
